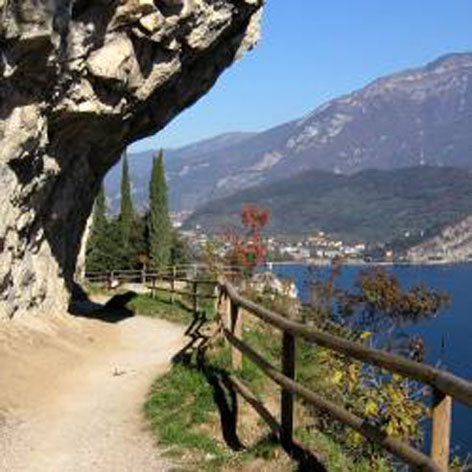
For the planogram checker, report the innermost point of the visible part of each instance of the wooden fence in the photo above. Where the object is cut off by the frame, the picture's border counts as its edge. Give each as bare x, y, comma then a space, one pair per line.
166, 280
143, 276
445, 386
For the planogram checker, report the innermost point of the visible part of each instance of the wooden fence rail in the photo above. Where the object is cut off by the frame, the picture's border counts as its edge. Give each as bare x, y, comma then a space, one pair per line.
172, 274
446, 386
189, 271
169, 275
450, 384
193, 294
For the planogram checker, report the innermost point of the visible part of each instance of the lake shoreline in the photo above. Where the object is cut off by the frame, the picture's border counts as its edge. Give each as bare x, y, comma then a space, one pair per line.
446, 336
328, 262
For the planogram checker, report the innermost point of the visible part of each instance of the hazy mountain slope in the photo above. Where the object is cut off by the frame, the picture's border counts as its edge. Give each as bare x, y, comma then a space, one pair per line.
372, 205
177, 161
452, 244
419, 116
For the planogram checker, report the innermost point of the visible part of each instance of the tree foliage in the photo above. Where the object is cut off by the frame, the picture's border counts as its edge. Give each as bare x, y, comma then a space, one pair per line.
126, 213
104, 247
133, 240
251, 250
160, 229
96, 238
380, 302
179, 252
372, 206
367, 315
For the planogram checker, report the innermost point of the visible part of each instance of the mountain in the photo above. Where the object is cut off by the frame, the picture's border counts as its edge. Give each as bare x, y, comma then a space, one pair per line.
452, 244
400, 206
420, 116
178, 163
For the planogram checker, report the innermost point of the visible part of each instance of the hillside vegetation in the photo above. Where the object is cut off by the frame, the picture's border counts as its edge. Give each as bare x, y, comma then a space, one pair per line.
204, 425
372, 205
196, 413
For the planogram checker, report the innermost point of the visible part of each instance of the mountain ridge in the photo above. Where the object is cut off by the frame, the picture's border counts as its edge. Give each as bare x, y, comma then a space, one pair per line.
417, 116
375, 206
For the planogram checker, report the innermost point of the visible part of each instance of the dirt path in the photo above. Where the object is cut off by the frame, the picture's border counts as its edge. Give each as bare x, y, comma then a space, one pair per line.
71, 394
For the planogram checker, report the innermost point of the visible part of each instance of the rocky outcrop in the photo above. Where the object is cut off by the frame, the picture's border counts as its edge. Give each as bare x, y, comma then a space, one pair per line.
80, 80
453, 244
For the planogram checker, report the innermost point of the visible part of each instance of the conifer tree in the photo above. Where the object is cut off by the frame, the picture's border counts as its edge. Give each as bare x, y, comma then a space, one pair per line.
160, 229
98, 234
126, 211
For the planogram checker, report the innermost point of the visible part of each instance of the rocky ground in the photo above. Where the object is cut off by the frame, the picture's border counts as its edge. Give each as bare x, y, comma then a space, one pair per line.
72, 391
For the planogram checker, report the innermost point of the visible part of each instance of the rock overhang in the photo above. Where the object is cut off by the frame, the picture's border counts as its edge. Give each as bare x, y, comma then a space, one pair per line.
79, 81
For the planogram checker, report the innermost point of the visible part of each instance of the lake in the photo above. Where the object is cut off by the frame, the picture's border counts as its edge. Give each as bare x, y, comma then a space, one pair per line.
448, 337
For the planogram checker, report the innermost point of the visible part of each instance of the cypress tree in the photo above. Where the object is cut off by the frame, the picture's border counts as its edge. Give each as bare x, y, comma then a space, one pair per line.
126, 211
160, 229
98, 234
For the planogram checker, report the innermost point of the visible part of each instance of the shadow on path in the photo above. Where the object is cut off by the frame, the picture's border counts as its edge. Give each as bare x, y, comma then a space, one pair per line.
113, 311
193, 355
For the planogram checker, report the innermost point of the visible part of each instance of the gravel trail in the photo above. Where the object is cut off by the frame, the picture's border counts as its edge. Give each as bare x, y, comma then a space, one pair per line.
72, 391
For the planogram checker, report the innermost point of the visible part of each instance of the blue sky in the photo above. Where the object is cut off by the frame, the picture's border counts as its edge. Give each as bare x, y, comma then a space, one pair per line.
312, 51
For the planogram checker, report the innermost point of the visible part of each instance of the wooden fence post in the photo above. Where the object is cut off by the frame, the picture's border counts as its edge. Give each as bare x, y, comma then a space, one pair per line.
237, 329
195, 296
172, 285
153, 289
441, 429
226, 318
288, 369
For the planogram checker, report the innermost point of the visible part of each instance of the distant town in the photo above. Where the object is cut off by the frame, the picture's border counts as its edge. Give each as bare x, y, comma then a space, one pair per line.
315, 248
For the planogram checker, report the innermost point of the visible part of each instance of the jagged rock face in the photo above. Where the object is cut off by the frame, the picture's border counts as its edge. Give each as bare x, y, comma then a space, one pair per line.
79, 81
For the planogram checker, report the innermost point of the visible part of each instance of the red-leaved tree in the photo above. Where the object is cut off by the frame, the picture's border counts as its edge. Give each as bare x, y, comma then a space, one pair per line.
250, 251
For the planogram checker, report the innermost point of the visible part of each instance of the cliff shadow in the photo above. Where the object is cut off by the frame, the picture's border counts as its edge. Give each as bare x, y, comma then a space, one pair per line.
113, 311
226, 398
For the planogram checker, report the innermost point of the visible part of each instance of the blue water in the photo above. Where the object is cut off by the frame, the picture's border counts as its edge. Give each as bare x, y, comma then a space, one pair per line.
452, 327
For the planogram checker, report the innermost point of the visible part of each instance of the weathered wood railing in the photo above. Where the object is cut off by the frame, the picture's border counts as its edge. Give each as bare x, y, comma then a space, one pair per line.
194, 294
145, 275
445, 385
166, 280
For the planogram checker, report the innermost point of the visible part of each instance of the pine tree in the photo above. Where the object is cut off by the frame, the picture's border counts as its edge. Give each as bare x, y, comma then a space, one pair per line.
126, 213
160, 229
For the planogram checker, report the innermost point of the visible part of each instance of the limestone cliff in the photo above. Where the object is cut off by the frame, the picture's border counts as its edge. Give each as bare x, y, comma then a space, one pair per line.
79, 80
453, 244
